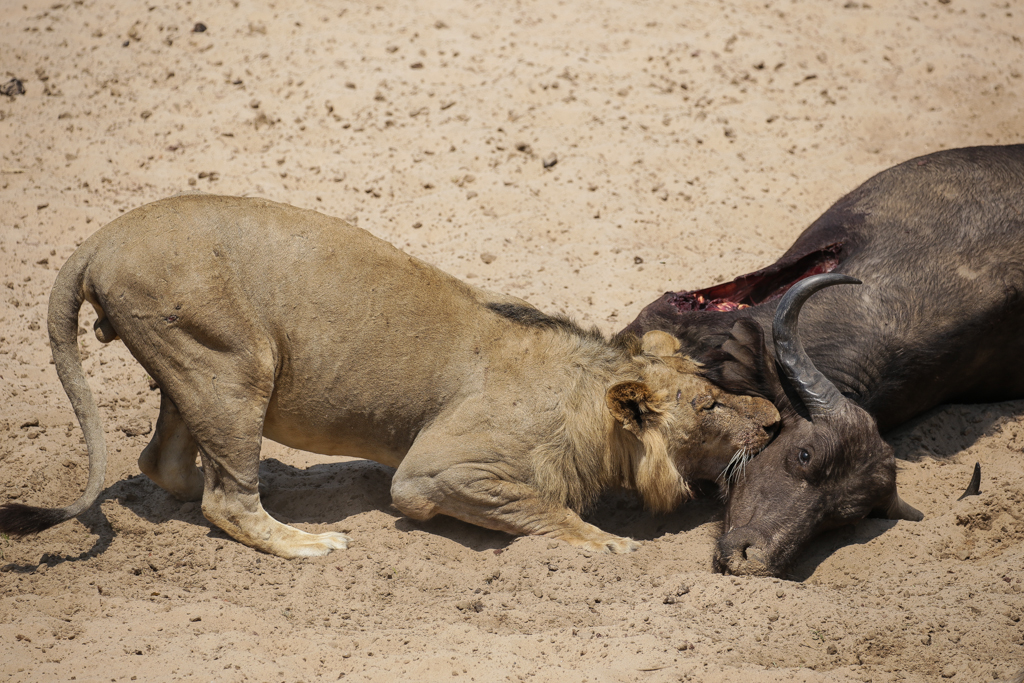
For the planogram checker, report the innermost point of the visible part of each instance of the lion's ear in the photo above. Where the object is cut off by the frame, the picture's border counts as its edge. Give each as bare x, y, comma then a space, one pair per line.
659, 343
634, 405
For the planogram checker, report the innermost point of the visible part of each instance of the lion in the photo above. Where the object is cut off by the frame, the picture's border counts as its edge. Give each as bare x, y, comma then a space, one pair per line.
261, 319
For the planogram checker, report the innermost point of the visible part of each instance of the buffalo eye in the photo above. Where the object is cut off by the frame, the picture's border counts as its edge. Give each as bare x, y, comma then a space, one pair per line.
803, 456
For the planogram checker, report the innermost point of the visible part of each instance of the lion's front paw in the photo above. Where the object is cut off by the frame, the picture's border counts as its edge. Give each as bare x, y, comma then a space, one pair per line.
617, 544
606, 544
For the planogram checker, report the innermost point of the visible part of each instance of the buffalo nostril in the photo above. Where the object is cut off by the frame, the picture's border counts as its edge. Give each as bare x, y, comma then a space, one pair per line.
741, 550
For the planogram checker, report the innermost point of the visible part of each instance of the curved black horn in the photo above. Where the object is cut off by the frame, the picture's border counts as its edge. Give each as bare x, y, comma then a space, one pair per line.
974, 488
819, 394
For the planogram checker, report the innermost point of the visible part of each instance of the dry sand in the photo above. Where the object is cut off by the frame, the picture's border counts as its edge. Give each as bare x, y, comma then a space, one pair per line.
693, 141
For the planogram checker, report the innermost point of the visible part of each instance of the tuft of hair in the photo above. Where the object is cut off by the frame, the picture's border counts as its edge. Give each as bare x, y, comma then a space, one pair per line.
22, 520
657, 480
532, 317
628, 342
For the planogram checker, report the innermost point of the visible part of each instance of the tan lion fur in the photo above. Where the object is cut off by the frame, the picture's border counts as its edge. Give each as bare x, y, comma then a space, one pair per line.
259, 319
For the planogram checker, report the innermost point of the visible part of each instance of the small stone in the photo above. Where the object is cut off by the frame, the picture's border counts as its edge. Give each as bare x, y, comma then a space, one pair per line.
832, 649
32, 422
470, 606
195, 619
773, 616
550, 160
780, 593
200, 27
12, 87
488, 257
949, 671
136, 426
417, 225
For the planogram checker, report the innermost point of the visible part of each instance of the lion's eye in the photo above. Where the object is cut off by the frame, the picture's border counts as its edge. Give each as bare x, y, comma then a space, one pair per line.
702, 403
803, 456
679, 395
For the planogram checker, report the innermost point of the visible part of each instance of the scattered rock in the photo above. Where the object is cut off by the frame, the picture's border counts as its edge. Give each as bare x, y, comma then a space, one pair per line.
200, 27
32, 422
673, 597
12, 87
470, 606
136, 426
488, 257
550, 160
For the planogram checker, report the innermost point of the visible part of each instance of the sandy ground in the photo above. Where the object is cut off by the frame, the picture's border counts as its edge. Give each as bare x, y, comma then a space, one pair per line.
690, 142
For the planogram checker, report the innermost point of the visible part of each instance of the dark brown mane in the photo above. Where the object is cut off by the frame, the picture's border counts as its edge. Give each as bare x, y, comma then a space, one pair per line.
531, 317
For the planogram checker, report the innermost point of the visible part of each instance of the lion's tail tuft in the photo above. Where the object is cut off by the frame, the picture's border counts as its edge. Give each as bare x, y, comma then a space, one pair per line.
22, 520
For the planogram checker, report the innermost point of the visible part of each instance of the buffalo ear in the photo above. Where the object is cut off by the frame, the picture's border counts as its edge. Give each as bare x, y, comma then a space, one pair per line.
633, 404
660, 343
742, 364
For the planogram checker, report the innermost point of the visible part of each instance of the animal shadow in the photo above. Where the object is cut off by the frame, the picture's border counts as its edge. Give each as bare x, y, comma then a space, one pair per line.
949, 429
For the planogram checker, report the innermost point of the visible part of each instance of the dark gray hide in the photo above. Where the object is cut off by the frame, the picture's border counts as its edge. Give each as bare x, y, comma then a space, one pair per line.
938, 243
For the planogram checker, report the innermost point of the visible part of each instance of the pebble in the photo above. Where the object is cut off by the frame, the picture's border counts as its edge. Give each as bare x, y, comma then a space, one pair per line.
136, 426
12, 87
550, 160
488, 257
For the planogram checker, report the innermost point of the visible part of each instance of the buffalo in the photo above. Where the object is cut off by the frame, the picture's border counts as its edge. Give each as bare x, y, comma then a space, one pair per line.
922, 272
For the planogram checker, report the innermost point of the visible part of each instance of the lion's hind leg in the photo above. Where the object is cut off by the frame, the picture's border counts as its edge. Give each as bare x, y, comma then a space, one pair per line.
473, 493
225, 417
170, 458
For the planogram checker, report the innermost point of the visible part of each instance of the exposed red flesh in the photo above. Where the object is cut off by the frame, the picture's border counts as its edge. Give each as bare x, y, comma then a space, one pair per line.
760, 286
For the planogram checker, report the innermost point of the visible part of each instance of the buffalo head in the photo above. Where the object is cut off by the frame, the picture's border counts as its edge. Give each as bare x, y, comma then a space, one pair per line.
827, 467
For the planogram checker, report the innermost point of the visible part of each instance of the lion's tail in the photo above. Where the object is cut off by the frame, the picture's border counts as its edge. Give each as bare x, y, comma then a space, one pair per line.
66, 299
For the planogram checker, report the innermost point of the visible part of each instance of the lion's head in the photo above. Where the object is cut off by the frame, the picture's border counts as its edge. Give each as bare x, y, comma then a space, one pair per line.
690, 428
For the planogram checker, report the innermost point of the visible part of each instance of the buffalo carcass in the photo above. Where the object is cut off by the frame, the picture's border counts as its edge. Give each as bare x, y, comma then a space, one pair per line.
938, 243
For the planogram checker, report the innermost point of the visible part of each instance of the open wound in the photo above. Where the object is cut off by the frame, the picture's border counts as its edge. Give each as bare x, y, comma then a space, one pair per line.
760, 286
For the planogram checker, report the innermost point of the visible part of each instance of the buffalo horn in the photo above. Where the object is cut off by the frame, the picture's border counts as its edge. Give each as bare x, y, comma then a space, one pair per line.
819, 395
900, 509
974, 488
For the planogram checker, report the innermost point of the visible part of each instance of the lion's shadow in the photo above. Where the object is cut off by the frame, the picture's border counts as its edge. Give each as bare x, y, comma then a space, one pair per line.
331, 493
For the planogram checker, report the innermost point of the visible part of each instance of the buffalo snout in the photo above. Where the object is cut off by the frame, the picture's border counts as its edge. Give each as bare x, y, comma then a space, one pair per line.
741, 552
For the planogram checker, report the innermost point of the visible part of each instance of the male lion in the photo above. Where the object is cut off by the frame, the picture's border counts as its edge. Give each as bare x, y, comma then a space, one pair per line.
257, 318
